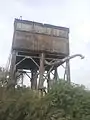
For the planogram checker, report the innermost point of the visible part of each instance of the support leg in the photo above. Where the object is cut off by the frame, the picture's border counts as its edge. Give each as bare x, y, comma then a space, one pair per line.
48, 83
41, 79
22, 79
34, 80
55, 74
12, 81
68, 71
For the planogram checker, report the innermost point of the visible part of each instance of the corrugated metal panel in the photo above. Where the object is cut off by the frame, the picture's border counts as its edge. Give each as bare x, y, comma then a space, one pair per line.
41, 29
23, 27
48, 31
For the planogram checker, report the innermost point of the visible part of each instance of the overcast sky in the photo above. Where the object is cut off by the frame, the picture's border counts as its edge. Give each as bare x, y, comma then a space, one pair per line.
74, 14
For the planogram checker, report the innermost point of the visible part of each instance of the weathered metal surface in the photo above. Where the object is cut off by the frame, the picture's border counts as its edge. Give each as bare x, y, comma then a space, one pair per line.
32, 36
38, 42
42, 29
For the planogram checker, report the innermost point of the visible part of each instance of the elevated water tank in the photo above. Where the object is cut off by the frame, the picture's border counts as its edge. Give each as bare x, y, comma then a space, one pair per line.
37, 37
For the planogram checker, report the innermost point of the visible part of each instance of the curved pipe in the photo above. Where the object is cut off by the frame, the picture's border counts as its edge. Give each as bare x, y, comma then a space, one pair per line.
73, 56
61, 61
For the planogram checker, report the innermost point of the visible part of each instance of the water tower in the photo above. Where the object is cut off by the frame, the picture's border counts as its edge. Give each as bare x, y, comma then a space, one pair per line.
34, 46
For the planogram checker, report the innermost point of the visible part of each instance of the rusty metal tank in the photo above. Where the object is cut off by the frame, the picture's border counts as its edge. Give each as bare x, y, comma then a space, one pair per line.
37, 37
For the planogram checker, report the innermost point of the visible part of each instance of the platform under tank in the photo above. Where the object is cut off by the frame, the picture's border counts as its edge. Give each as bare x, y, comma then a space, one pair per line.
36, 37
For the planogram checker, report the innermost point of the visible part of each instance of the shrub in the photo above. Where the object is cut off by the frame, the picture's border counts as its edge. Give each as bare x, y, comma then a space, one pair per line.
64, 102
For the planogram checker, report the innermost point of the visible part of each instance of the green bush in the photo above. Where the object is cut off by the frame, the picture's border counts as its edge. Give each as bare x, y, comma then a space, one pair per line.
63, 102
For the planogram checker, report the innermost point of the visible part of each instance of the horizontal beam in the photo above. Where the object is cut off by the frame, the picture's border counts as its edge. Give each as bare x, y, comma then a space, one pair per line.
37, 57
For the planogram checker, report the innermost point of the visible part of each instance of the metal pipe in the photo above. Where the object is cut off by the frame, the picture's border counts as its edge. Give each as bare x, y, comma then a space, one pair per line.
73, 56
61, 61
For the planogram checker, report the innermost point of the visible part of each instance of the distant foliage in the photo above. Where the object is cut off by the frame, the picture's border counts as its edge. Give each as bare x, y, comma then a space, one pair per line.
63, 102
3, 76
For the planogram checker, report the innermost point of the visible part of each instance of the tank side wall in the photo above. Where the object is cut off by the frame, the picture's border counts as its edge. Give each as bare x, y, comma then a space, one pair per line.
39, 42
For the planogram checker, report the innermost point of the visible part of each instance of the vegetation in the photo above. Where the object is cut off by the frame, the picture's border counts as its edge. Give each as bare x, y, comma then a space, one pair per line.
63, 102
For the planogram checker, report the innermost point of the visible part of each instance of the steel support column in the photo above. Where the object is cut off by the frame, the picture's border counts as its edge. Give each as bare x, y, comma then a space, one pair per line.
22, 76
41, 69
68, 71
12, 81
34, 79
48, 82
55, 74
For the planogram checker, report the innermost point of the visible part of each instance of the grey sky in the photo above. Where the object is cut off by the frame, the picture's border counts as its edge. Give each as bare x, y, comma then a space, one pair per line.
74, 14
